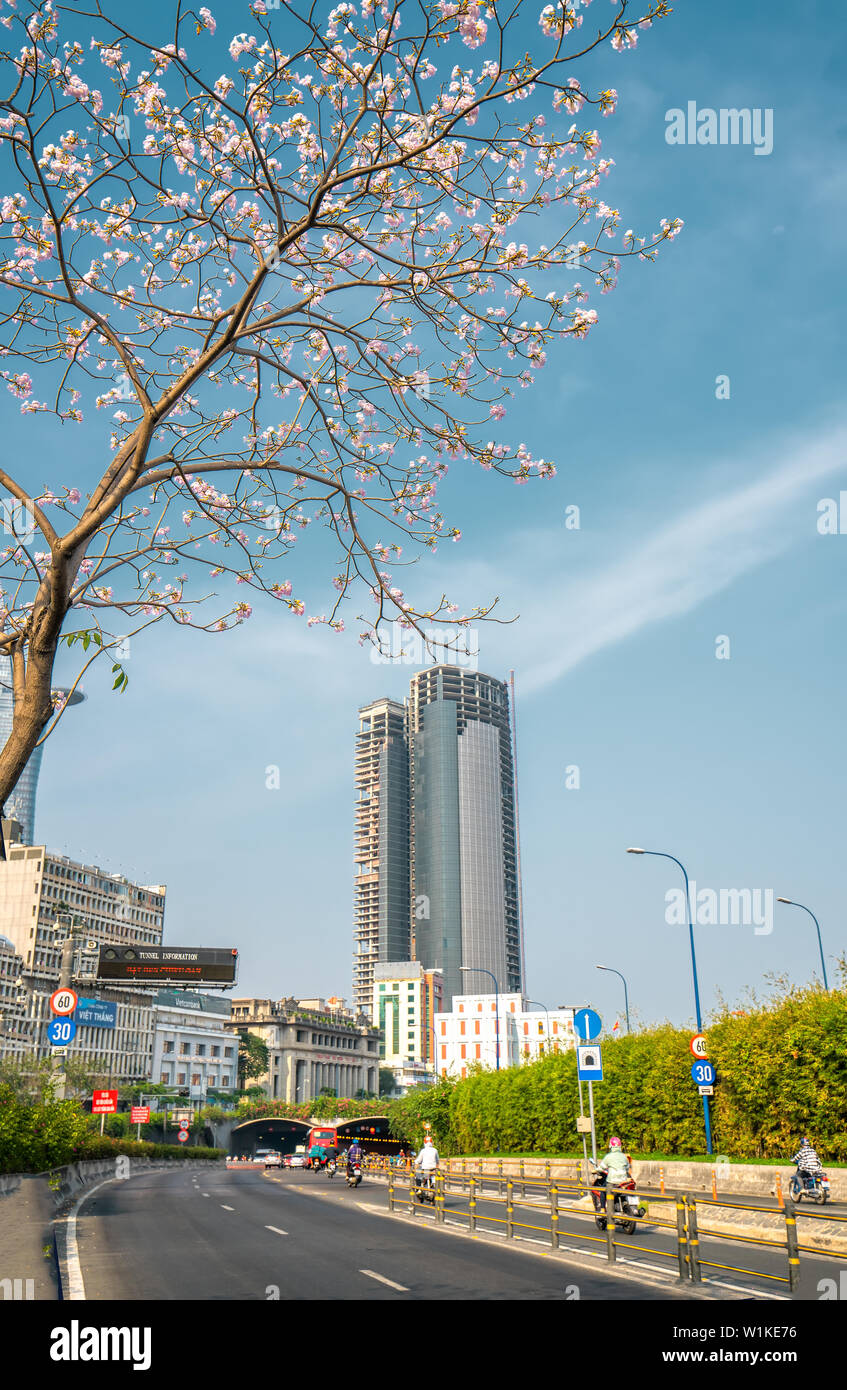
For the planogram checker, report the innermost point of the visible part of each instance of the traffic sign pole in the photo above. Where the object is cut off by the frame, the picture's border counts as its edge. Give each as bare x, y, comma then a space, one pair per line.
593, 1130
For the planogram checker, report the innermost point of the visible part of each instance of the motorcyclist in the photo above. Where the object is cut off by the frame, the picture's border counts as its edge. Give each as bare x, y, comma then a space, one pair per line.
318, 1156
426, 1161
809, 1165
615, 1166
354, 1156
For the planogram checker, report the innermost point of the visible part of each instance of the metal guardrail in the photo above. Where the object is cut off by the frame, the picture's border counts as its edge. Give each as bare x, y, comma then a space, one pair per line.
556, 1197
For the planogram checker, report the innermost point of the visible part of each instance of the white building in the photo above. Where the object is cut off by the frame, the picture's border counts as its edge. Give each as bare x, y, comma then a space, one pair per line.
406, 1002
312, 1044
469, 1035
39, 892
191, 1043
15, 1025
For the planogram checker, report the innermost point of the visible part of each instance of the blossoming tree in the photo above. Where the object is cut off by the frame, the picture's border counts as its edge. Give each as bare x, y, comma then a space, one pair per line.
298, 288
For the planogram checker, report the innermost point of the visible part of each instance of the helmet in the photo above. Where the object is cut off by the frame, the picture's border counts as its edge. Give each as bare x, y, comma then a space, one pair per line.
615, 1143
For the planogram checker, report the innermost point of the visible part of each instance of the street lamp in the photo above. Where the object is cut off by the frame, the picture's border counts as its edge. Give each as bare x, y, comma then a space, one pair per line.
478, 970
625, 994
660, 854
792, 903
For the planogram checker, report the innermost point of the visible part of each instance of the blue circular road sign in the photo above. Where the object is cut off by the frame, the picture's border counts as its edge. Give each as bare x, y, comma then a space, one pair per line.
587, 1024
703, 1073
61, 1031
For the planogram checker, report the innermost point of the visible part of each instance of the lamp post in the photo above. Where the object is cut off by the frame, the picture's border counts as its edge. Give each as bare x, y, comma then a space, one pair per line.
547, 1012
625, 994
660, 854
792, 903
478, 970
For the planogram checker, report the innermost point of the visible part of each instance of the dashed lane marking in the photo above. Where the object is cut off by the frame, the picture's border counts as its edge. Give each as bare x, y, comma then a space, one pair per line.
276, 1230
382, 1280
226, 1208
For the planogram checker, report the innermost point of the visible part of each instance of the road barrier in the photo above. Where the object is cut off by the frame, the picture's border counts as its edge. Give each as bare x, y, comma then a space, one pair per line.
676, 1212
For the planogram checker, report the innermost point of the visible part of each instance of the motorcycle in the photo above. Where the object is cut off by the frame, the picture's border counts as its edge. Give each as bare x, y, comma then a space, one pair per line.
331, 1168
425, 1186
815, 1186
625, 1203
354, 1175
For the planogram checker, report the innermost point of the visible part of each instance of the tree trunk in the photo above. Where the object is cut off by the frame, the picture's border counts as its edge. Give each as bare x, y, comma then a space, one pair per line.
32, 683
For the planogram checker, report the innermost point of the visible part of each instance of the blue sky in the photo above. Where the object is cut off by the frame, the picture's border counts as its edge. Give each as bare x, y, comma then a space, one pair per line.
698, 521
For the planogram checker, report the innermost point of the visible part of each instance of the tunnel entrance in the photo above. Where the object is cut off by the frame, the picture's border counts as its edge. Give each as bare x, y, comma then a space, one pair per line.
268, 1133
372, 1133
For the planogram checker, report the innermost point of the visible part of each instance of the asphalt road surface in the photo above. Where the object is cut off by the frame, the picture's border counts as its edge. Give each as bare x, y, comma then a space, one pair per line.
244, 1235
658, 1244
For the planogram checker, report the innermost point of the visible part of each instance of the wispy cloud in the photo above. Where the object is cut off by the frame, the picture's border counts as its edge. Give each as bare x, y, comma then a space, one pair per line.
680, 565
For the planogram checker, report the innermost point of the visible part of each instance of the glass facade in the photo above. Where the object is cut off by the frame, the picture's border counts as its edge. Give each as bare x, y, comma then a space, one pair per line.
464, 862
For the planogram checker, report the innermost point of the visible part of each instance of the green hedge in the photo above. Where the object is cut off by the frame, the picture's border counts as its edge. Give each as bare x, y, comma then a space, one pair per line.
322, 1108
781, 1069
38, 1135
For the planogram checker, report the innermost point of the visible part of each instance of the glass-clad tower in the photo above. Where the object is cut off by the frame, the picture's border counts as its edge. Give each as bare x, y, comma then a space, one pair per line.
20, 805
464, 875
382, 930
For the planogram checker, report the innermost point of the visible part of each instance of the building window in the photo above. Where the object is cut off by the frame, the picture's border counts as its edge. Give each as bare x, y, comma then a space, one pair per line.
443, 1052
225, 1079
165, 1078
443, 1029
201, 1049
180, 1081
227, 1052
478, 1050
462, 1028
476, 1026
216, 1052
464, 1050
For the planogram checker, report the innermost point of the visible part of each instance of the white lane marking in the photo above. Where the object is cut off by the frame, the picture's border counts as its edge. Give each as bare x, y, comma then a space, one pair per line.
204, 1194
76, 1285
382, 1279
276, 1230
226, 1208
742, 1288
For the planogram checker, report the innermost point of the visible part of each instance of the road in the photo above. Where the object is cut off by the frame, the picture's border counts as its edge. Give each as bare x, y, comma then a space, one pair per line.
659, 1244
242, 1235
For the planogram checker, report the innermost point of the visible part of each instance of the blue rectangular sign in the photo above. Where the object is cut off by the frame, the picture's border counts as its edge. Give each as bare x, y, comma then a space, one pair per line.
589, 1063
96, 1013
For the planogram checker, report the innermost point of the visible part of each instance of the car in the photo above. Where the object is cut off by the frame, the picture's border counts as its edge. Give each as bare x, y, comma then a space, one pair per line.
294, 1161
273, 1159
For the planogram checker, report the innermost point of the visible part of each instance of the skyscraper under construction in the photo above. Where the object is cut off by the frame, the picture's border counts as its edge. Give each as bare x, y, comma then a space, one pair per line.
436, 791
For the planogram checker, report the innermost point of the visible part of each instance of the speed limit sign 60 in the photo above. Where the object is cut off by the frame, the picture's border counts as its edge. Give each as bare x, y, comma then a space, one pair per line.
63, 1001
698, 1047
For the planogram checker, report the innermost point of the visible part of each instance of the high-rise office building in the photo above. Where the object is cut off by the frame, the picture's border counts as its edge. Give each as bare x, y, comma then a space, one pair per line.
463, 828
436, 819
382, 928
20, 805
